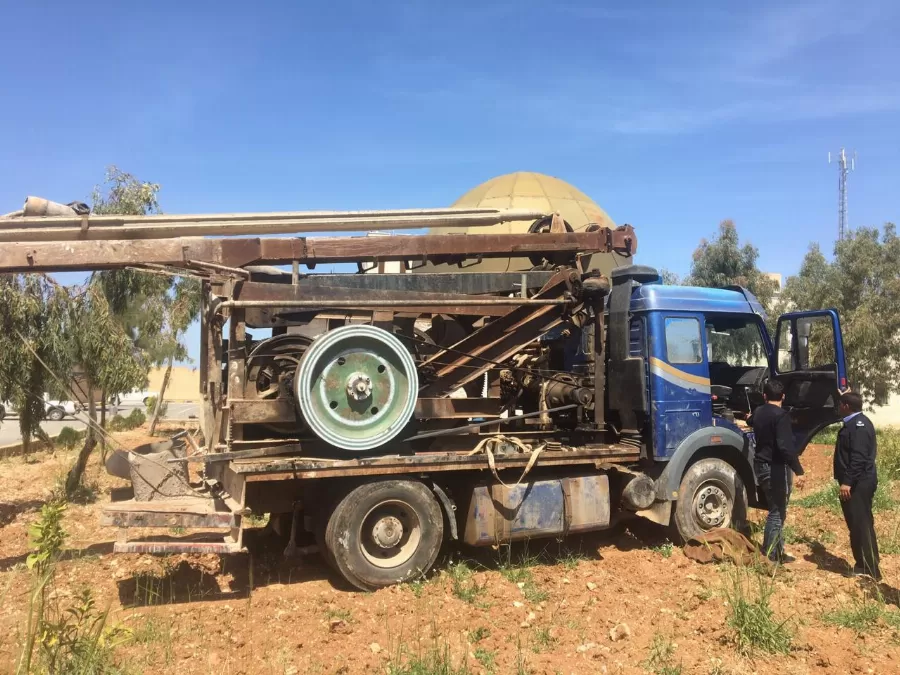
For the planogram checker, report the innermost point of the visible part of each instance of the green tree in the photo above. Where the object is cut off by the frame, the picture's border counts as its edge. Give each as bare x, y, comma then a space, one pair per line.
106, 357
49, 334
862, 282
155, 310
725, 262
33, 327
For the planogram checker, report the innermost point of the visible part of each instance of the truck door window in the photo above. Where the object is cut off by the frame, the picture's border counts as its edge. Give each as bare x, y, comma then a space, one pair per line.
683, 344
785, 353
813, 338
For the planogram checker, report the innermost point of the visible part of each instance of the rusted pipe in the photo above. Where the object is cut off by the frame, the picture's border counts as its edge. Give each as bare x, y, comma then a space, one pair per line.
100, 228
247, 304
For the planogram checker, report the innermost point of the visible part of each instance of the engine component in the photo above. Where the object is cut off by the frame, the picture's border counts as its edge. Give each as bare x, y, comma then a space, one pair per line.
357, 386
558, 392
272, 364
639, 493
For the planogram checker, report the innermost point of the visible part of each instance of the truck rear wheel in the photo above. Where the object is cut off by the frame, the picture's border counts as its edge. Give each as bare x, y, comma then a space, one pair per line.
383, 533
711, 496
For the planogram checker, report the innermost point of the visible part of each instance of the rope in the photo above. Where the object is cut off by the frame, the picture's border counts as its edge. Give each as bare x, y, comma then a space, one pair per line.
488, 447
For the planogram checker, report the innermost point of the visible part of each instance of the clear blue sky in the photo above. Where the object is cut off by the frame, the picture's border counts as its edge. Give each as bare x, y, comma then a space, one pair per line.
672, 116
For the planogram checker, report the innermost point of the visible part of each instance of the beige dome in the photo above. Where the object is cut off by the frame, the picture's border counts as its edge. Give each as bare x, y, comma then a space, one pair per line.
528, 190
538, 192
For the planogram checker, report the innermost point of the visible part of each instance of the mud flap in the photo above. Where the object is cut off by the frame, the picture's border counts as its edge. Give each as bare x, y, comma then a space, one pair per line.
660, 513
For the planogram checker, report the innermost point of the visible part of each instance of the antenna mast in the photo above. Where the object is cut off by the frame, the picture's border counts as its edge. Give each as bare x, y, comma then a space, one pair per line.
845, 166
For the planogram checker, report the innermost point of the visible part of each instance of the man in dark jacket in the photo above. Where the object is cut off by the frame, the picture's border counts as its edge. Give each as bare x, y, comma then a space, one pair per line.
775, 464
854, 470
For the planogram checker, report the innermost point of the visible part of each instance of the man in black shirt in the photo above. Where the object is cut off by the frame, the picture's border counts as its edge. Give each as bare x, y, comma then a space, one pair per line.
775, 463
854, 470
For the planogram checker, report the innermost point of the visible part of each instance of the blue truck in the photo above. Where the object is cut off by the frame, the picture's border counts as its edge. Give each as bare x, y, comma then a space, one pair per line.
387, 415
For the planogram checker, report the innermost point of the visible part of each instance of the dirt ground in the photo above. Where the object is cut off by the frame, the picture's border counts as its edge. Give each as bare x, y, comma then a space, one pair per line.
563, 613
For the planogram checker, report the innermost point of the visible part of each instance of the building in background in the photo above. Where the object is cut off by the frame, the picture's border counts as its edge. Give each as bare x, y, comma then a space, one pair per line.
538, 192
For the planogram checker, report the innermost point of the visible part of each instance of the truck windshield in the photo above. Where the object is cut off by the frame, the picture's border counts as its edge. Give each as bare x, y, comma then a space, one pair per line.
736, 342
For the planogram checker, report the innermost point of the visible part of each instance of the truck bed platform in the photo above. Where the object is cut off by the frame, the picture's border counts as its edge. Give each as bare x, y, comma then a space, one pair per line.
294, 468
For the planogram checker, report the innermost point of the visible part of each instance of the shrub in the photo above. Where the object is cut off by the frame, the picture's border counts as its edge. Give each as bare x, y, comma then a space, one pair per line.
136, 418
151, 404
68, 438
117, 423
74, 639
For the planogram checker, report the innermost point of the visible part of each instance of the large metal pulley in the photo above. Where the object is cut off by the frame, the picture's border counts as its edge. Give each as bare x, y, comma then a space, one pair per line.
357, 386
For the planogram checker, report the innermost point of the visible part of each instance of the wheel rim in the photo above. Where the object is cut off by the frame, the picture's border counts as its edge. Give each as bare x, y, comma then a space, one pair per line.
357, 387
390, 534
711, 505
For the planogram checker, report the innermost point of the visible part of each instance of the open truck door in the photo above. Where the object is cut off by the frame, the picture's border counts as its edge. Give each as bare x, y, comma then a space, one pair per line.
809, 361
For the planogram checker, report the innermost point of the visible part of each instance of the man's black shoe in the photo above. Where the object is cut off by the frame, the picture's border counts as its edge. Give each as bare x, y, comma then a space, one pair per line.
861, 572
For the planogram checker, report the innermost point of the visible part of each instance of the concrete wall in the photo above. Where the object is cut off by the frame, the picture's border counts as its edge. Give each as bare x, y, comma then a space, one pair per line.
184, 384
888, 415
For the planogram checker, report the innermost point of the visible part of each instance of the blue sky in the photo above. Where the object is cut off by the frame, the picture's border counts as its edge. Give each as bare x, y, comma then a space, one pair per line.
672, 116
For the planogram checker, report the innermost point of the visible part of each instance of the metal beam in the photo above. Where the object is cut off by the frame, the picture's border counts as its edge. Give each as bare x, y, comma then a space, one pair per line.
105, 228
437, 248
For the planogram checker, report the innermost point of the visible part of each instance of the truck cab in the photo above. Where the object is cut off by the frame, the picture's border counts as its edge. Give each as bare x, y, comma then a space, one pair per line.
706, 354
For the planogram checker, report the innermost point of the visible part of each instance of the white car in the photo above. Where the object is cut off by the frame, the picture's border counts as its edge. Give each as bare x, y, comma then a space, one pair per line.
57, 410
132, 399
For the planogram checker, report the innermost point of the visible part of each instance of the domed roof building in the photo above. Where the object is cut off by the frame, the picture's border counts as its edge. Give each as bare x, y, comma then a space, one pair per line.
539, 192
529, 190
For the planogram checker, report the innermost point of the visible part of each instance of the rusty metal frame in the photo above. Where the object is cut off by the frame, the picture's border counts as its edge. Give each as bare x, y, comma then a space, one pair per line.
18, 257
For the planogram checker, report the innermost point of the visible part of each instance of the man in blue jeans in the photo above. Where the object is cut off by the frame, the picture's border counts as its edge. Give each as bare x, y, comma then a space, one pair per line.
775, 464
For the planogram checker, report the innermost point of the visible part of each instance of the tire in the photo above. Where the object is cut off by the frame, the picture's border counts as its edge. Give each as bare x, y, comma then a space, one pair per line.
146, 401
403, 514
711, 496
56, 414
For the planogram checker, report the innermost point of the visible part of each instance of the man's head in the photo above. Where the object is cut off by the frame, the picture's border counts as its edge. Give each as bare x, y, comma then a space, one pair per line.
851, 402
773, 391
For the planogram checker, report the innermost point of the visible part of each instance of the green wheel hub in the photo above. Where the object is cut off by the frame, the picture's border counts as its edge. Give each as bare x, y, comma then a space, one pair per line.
357, 387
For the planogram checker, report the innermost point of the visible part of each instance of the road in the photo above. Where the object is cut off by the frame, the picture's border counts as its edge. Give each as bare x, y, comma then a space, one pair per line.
9, 428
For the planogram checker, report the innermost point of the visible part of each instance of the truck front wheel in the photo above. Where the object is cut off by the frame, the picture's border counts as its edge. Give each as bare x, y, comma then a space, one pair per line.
384, 533
711, 496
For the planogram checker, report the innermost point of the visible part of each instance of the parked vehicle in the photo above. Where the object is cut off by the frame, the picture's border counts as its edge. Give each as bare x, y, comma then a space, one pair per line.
58, 410
132, 399
659, 431
391, 413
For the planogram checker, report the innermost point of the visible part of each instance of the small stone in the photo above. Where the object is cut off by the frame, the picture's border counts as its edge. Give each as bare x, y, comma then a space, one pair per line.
375, 647
591, 585
620, 631
336, 624
566, 580
516, 603
521, 584
585, 647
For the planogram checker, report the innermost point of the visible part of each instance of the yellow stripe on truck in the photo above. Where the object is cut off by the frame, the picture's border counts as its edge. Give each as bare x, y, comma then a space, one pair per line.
687, 377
